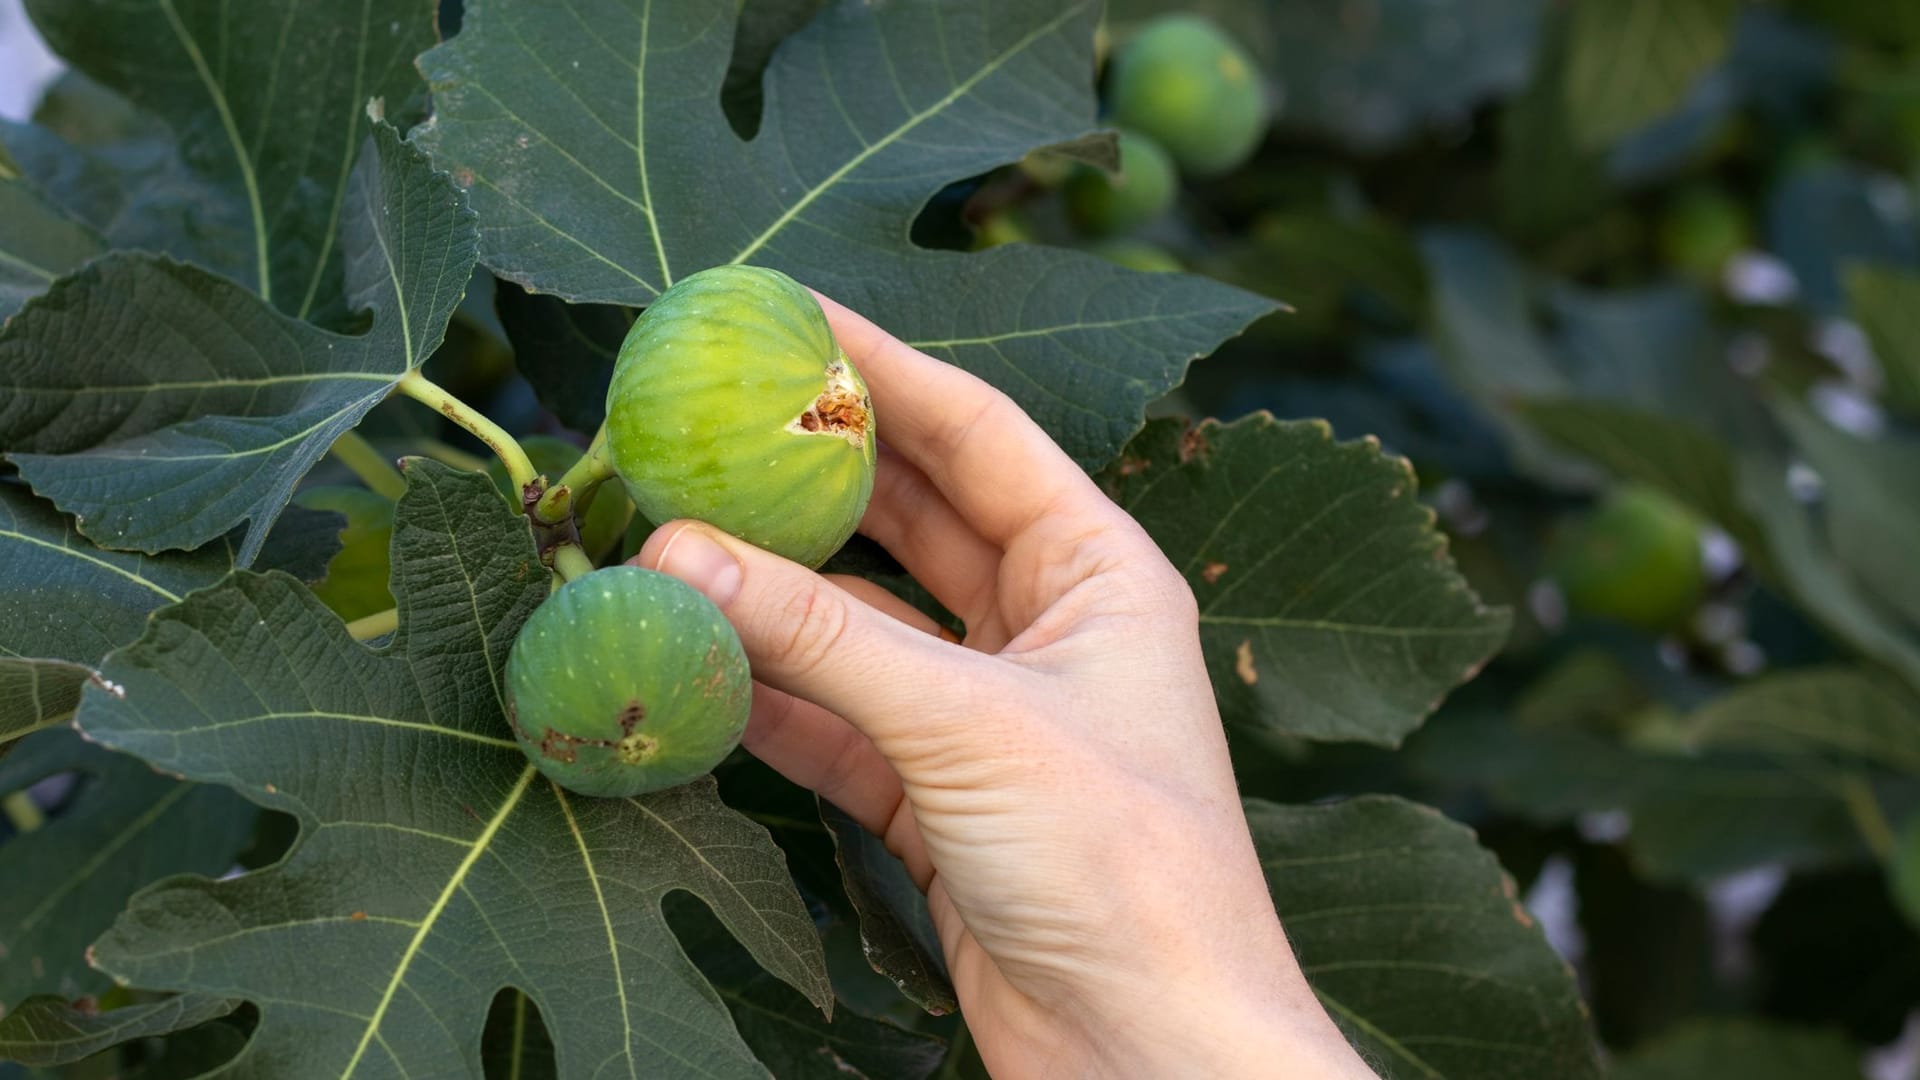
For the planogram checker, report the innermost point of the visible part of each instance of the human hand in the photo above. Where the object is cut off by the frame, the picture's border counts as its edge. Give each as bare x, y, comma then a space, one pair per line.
1059, 783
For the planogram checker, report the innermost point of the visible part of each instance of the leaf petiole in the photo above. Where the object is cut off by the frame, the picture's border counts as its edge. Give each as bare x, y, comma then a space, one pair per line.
373, 468
569, 492
519, 468
1868, 817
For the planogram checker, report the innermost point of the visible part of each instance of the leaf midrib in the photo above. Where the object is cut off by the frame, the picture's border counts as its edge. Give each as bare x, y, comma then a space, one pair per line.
11, 534
241, 155
106, 851
459, 876
960, 90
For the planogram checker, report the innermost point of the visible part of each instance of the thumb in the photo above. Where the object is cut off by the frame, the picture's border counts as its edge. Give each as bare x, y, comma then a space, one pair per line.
807, 636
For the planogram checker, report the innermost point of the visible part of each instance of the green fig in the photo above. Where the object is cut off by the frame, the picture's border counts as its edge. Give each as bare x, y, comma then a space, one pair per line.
1181, 80
627, 681
1103, 203
1634, 559
732, 403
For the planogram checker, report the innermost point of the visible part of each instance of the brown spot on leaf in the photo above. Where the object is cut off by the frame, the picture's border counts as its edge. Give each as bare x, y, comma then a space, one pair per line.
463, 177
1133, 466
1212, 571
1193, 443
1243, 663
270, 789
1520, 916
358, 916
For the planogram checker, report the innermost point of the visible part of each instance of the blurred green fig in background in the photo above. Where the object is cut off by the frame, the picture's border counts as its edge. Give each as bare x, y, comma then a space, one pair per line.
1138, 255
1635, 558
1701, 228
1184, 82
1103, 203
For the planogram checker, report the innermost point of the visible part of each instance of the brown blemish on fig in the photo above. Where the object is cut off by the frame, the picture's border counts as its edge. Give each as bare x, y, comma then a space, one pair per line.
630, 716
559, 746
1212, 571
841, 410
1243, 663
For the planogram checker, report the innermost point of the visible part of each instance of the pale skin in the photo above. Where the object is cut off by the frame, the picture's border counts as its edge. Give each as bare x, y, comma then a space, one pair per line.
1057, 783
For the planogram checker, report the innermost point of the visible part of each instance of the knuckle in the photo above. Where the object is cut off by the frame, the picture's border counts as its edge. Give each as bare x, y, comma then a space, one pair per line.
814, 623
995, 409
842, 768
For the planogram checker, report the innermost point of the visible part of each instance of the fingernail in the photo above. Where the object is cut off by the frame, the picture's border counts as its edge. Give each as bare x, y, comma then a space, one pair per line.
695, 558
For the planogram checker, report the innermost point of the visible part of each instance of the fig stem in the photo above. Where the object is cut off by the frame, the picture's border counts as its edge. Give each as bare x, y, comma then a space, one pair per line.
572, 561
520, 469
372, 467
561, 498
378, 624
1868, 817
22, 812
447, 455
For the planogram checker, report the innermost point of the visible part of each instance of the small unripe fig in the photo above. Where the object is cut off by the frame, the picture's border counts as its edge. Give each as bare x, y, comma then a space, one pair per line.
1138, 255
1002, 227
1103, 203
1184, 82
732, 403
1634, 559
627, 681
1702, 228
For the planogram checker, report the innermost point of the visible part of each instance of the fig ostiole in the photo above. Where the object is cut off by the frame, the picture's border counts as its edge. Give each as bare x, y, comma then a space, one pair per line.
732, 403
627, 681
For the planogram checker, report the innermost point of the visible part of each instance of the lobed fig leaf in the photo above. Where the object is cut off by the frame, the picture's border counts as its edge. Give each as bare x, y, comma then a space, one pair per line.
627, 681
731, 403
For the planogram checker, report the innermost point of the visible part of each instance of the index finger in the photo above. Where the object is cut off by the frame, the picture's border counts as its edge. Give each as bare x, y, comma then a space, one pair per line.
983, 452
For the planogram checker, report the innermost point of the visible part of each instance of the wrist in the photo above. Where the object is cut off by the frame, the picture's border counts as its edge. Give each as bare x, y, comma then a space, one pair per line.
1228, 1035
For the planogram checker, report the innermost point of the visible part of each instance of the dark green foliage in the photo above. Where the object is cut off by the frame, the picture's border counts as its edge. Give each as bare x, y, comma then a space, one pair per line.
1466, 275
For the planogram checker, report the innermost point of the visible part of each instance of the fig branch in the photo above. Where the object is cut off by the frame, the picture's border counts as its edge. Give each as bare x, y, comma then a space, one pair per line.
571, 560
568, 495
519, 469
378, 624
